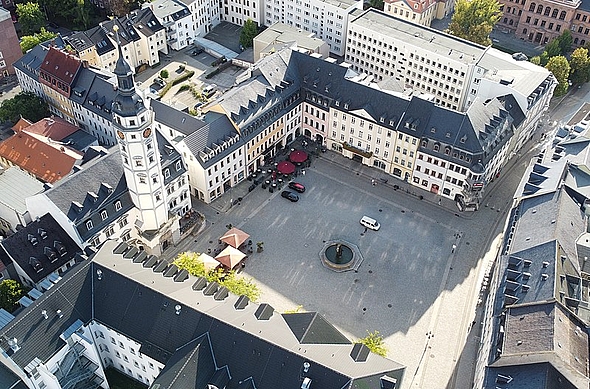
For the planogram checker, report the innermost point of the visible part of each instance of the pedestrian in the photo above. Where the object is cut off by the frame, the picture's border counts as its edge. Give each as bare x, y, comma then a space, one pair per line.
372, 182
439, 201
366, 229
303, 172
453, 248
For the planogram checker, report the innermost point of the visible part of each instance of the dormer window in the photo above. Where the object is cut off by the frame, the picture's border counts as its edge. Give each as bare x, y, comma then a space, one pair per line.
117, 205
178, 165
42, 233
166, 173
89, 225
104, 215
32, 239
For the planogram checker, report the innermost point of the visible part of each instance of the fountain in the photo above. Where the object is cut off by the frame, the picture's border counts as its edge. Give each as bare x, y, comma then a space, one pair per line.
339, 255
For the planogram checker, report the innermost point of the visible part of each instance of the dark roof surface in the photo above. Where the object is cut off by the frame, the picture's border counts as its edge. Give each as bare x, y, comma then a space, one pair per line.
41, 239
534, 376
313, 328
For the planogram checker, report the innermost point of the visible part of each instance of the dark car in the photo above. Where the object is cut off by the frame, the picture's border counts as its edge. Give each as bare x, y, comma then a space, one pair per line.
290, 196
297, 187
197, 51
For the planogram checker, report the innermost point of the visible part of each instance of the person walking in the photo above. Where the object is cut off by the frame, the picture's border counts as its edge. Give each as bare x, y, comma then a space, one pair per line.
373, 181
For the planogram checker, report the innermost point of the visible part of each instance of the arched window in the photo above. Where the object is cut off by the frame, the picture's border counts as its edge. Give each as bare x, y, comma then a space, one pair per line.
511, 22
554, 13
540, 9
505, 20
562, 15
547, 11
532, 7
524, 31
582, 42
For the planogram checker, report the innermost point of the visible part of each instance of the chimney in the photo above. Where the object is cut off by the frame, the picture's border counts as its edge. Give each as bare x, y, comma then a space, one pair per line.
13, 343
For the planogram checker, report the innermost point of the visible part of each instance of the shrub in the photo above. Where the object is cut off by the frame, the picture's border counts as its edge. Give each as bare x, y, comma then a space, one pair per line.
183, 77
374, 342
164, 73
184, 87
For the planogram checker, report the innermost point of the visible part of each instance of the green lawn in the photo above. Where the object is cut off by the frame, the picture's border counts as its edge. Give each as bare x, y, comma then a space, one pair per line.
118, 380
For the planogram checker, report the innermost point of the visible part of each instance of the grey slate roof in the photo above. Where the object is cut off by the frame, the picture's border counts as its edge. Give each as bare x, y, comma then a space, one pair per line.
91, 178
145, 20
41, 239
171, 117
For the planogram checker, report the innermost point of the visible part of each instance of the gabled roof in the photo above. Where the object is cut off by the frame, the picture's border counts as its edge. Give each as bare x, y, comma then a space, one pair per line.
47, 160
40, 248
145, 21
54, 127
60, 65
15, 187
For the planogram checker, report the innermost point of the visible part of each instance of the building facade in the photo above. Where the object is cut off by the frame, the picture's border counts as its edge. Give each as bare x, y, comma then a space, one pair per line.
328, 19
10, 49
177, 21
238, 11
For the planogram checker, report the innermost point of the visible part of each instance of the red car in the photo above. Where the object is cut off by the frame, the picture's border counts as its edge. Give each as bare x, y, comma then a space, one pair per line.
297, 187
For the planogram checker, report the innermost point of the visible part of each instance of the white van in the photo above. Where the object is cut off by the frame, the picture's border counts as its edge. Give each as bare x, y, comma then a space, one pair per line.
370, 223
209, 90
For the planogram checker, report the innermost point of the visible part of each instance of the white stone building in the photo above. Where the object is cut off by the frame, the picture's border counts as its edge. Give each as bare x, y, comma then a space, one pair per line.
327, 19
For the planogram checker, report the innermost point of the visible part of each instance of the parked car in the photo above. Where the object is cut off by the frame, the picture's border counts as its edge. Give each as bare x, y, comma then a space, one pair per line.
371, 223
290, 196
209, 90
297, 187
198, 105
160, 82
197, 51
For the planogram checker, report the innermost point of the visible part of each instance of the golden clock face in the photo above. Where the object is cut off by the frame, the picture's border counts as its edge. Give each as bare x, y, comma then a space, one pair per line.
147, 132
120, 134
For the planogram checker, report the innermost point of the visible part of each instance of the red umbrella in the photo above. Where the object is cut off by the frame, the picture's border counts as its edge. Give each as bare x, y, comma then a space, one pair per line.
286, 167
298, 156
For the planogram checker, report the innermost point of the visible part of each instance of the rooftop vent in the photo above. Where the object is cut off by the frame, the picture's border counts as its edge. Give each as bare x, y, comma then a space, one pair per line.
59, 313
264, 312
242, 302
177, 309
13, 343
359, 352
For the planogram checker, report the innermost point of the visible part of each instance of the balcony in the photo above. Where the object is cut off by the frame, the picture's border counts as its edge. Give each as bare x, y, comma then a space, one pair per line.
356, 150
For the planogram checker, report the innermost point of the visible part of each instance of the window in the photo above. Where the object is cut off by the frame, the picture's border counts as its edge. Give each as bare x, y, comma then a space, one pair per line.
118, 205
167, 173
104, 215
89, 225
178, 165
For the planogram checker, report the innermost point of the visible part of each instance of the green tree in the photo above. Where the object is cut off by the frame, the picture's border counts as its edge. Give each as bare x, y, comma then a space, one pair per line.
25, 104
83, 17
474, 20
580, 66
29, 41
10, 292
374, 342
536, 60
553, 49
376, 4
560, 68
249, 31
164, 74
565, 41
30, 17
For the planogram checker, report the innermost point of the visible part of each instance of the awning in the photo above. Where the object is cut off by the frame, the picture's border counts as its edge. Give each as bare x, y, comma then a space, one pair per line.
298, 156
234, 237
230, 257
208, 261
285, 167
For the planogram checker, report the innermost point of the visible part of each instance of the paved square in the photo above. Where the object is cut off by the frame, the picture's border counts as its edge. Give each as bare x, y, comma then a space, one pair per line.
398, 289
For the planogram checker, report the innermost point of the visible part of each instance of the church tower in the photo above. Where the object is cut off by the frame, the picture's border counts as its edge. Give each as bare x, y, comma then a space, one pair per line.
139, 149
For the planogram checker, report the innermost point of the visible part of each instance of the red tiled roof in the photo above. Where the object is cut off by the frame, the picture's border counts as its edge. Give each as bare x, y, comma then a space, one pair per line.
55, 128
48, 162
22, 123
61, 65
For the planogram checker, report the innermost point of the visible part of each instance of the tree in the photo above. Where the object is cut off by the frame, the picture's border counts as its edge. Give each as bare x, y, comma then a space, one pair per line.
376, 4
30, 17
474, 20
561, 70
25, 104
120, 7
565, 41
249, 31
580, 66
552, 49
374, 342
29, 41
164, 74
10, 292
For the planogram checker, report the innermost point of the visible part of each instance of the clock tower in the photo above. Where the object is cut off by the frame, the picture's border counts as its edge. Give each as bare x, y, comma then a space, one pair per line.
139, 149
